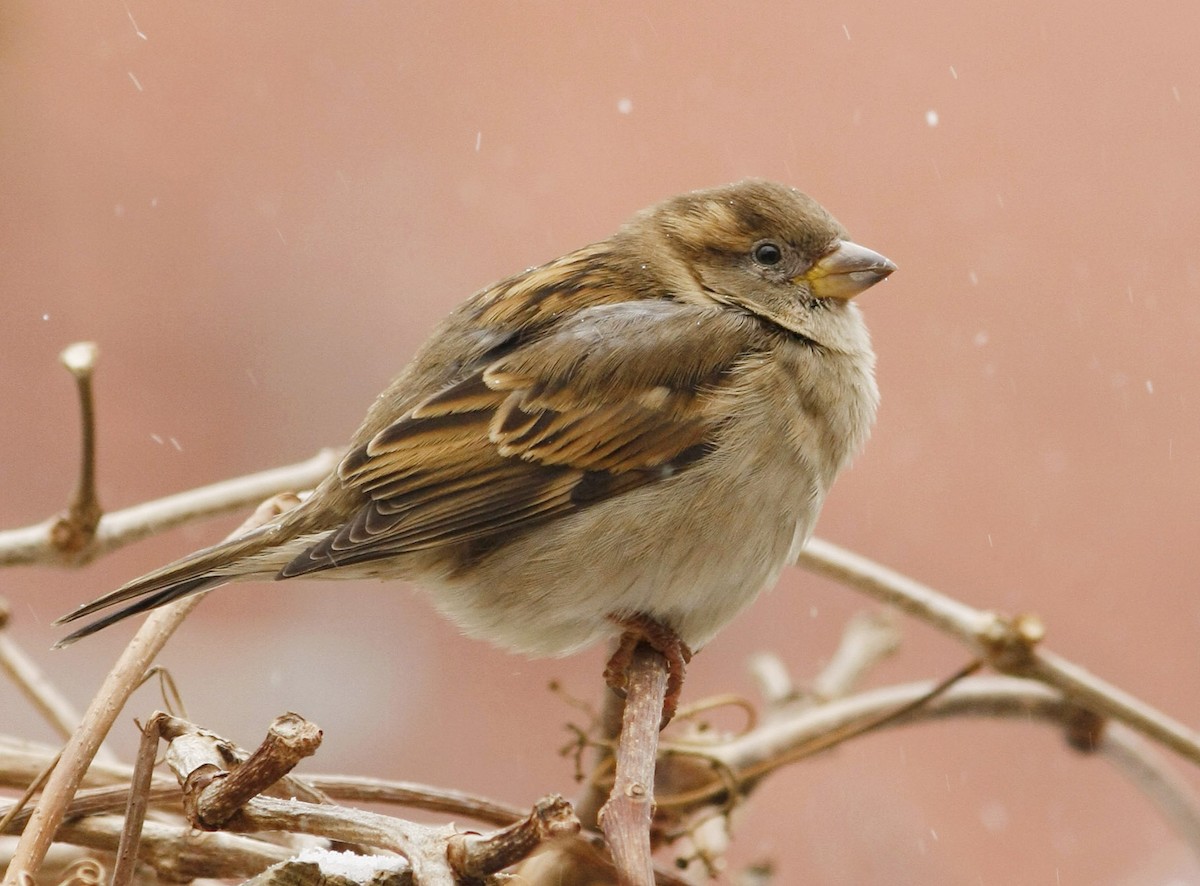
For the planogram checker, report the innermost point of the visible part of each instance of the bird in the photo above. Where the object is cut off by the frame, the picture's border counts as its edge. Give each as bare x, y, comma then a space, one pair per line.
628, 442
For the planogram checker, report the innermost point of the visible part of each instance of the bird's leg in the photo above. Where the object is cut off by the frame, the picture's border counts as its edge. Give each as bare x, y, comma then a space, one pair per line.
641, 628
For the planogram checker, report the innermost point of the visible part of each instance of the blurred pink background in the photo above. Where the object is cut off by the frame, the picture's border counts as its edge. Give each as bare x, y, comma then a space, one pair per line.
259, 210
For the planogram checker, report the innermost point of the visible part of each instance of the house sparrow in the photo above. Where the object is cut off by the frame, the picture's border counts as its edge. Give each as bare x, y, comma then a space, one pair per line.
631, 440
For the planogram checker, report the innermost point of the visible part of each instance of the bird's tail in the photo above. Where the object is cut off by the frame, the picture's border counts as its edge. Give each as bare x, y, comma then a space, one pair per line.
201, 571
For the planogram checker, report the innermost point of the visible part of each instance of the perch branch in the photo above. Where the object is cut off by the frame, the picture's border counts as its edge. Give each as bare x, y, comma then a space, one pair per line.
625, 818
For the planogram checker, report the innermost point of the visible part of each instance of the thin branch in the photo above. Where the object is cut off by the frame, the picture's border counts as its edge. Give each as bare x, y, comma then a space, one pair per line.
120, 683
139, 802
176, 852
1009, 645
798, 733
37, 688
74, 528
795, 733
1139, 762
625, 818
867, 639
343, 788
217, 797
31, 544
424, 846
213, 798
415, 796
475, 856
103, 801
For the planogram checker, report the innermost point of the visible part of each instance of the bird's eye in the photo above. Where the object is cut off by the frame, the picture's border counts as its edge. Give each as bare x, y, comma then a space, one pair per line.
767, 253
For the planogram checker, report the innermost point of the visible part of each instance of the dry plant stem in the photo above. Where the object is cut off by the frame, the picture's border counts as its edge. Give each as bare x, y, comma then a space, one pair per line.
416, 796
424, 847
99, 801
476, 855
1107, 700
166, 792
625, 818
177, 852
777, 741
888, 586
13, 812
74, 528
40, 692
213, 797
854, 730
774, 680
28, 677
1138, 761
139, 801
21, 760
867, 639
120, 683
792, 737
217, 798
31, 544
991, 637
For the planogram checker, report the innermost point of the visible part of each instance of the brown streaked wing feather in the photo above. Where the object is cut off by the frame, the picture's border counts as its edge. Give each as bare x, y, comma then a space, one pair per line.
613, 398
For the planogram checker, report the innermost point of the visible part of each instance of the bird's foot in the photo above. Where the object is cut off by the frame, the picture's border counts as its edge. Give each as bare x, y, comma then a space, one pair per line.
640, 628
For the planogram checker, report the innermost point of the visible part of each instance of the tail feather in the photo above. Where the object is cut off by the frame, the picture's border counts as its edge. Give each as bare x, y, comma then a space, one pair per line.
150, 600
201, 571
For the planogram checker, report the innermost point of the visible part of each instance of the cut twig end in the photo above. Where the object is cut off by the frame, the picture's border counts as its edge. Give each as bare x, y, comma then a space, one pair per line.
476, 856
80, 358
74, 529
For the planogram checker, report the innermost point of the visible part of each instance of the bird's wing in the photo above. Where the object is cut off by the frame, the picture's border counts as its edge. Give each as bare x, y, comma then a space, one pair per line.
615, 397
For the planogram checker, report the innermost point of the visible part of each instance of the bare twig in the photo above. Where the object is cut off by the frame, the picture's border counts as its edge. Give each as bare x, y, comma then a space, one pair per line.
424, 846
31, 544
867, 639
13, 812
101, 801
74, 528
1007, 644
216, 797
625, 818
478, 855
139, 801
582, 861
789, 737
177, 852
1142, 765
848, 731
793, 736
120, 683
165, 791
211, 795
33, 684
416, 796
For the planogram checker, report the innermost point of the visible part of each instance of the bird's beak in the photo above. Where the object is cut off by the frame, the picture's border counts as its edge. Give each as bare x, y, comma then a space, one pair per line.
845, 271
